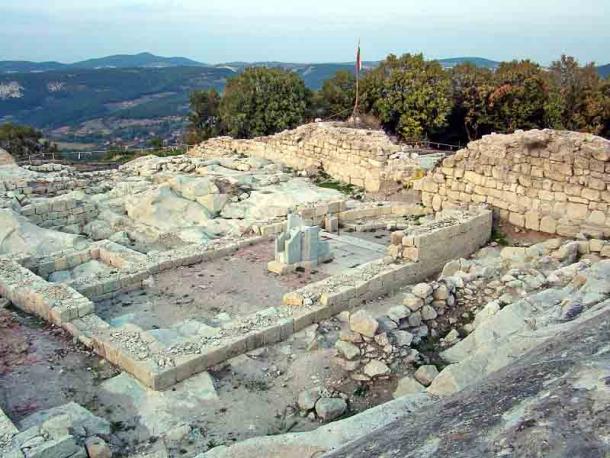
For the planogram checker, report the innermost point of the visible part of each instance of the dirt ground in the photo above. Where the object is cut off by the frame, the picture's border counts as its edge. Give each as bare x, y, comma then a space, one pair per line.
40, 367
238, 285
380, 236
256, 396
514, 236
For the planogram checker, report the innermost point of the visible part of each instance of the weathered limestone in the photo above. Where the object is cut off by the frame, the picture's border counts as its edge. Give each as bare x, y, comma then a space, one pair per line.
58, 212
18, 236
298, 246
502, 336
325, 438
544, 180
364, 158
6, 160
67, 430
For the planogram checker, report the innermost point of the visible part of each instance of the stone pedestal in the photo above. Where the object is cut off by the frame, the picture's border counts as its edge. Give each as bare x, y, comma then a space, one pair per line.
298, 246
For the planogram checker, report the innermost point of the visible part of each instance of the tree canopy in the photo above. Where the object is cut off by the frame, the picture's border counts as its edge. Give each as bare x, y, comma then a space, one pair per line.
204, 118
262, 101
336, 98
412, 98
23, 141
409, 95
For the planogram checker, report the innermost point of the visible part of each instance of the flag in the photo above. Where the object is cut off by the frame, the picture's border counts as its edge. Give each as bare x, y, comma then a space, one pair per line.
358, 59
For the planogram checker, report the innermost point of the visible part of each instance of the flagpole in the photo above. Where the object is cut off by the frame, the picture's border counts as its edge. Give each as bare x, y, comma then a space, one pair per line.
358, 60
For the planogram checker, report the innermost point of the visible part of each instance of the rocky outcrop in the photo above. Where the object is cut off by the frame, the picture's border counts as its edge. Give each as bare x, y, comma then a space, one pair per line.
545, 180
20, 237
6, 160
553, 401
364, 158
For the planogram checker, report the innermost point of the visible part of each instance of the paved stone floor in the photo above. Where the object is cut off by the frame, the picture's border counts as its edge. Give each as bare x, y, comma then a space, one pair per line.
350, 251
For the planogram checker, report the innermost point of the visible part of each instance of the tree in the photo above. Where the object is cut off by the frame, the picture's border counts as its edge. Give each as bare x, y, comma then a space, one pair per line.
605, 90
411, 96
156, 143
204, 118
472, 87
337, 96
577, 95
520, 98
262, 101
23, 141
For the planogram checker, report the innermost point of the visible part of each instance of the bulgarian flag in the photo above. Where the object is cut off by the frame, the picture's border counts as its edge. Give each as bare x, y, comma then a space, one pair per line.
358, 59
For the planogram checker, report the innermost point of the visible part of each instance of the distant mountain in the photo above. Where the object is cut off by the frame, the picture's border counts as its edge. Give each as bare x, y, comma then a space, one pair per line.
314, 73
142, 60
604, 70
478, 61
24, 66
93, 106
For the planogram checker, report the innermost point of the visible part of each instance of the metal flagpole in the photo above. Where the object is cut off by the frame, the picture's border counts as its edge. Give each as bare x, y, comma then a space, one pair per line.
358, 60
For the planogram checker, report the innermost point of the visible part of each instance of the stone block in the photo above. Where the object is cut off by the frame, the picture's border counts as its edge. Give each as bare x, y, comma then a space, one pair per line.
548, 224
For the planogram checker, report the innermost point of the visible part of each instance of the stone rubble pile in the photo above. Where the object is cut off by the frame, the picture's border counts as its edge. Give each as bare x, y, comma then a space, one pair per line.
69, 430
367, 351
322, 404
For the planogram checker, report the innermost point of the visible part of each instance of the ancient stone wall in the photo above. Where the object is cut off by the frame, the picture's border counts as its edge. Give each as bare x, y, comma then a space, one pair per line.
59, 212
364, 158
425, 251
551, 181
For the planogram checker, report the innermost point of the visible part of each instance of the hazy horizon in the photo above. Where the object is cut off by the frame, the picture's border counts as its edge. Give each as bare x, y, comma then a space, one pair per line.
316, 32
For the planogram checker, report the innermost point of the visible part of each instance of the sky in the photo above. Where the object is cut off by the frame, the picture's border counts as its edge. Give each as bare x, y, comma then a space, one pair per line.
215, 31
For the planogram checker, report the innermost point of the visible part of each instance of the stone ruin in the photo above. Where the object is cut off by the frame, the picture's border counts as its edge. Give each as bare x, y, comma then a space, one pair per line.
364, 158
543, 180
138, 305
298, 246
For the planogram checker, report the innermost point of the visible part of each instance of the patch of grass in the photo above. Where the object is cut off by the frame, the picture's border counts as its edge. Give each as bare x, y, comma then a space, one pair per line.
499, 237
116, 426
257, 385
337, 186
430, 347
324, 180
361, 390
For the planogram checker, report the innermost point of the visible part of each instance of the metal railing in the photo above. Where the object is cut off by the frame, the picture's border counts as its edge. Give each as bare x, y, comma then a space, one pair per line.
60, 156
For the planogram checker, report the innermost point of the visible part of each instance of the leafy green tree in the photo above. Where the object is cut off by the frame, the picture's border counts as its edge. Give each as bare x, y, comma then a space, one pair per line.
411, 96
520, 97
577, 95
24, 141
605, 90
204, 118
262, 101
337, 96
472, 87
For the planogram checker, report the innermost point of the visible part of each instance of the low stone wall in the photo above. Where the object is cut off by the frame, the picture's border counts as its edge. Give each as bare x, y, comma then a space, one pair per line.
160, 366
453, 235
59, 212
68, 430
55, 303
550, 181
364, 158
